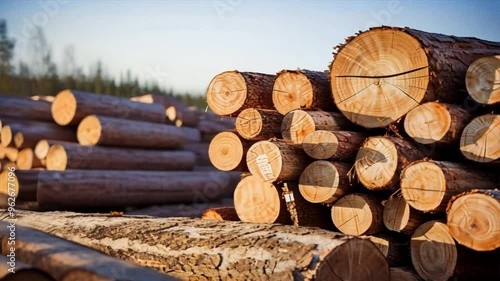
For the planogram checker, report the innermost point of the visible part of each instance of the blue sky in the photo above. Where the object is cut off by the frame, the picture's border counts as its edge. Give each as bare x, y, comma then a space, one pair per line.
183, 44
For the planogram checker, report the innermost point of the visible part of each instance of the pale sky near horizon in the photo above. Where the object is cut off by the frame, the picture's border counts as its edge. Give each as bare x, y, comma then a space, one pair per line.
183, 44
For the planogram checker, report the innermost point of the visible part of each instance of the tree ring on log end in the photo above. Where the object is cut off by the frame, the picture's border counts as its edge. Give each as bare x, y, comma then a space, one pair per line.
227, 93
480, 139
379, 76
428, 123
292, 90
226, 151
376, 162
423, 185
249, 123
296, 125
264, 160
352, 214
5, 136
396, 214
63, 108
57, 158
319, 183
89, 131
41, 149
320, 144
482, 80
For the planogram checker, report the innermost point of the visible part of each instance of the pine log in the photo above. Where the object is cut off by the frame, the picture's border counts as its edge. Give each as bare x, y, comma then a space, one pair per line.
429, 185
482, 80
395, 250
101, 130
231, 92
381, 74
259, 124
42, 147
9, 153
334, 145
26, 160
24, 108
20, 271
221, 214
220, 250
436, 257
192, 135
276, 160
302, 89
23, 183
191, 210
68, 261
380, 161
479, 141
26, 133
297, 124
473, 219
200, 150
80, 189
326, 181
71, 106
44, 98
435, 122
399, 216
214, 127
166, 101
227, 152
404, 273
188, 118
358, 214
73, 156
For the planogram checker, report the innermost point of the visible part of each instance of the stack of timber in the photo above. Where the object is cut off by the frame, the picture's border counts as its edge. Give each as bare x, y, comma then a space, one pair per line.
83, 151
386, 145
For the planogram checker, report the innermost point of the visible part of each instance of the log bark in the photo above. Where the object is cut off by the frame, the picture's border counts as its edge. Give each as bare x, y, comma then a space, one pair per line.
381, 74
221, 214
227, 152
276, 160
220, 250
192, 135
214, 127
166, 101
21, 184
80, 189
24, 108
26, 160
42, 147
435, 256
259, 124
399, 216
200, 150
334, 145
68, 261
404, 273
302, 89
191, 210
326, 181
297, 124
380, 161
358, 214
429, 185
188, 118
21, 271
232, 91
49, 99
436, 123
482, 80
70, 107
473, 219
101, 130
26, 133
73, 156
479, 140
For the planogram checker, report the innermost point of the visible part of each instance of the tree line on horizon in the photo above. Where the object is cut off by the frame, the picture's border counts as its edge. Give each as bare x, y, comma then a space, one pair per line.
39, 75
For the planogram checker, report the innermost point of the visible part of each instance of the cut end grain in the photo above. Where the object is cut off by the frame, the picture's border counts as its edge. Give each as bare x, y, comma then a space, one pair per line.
171, 113
423, 185
376, 162
428, 123
264, 160
379, 76
292, 90
249, 123
8, 182
357, 214
319, 183
226, 93
57, 158
483, 80
296, 125
6, 136
89, 131
64, 108
479, 141
41, 149
226, 151
26, 160
320, 144
396, 214
18, 139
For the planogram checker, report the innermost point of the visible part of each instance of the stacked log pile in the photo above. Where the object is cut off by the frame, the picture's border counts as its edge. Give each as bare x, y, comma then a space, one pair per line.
91, 152
387, 144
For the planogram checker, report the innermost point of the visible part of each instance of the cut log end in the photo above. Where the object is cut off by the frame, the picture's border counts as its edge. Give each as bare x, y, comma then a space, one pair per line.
433, 251
297, 125
41, 149
319, 183
6, 136
226, 93
428, 123
249, 123
423, 185
9, 186
64, 108
292, 90
473, 221
320, 144
227, 152
26, 160
376, 162
358, 214
57, 158
18, 139
256, 201
388, 68
396, 214
483, 80
89, 131
479, 141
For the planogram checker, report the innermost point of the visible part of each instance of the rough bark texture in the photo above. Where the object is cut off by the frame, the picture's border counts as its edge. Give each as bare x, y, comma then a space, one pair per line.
302, 89
259, 124
334, 145
231, 92
25, 108
101, 130
65, 261
80, 189
219, 250
222, 214
71, 106
436, 71
74, 156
